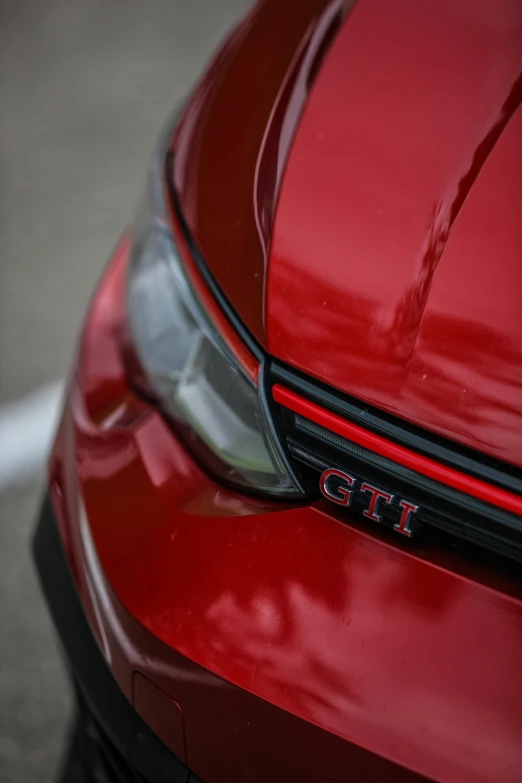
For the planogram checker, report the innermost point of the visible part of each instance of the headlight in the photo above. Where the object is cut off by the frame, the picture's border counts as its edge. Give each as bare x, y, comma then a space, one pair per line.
191, 372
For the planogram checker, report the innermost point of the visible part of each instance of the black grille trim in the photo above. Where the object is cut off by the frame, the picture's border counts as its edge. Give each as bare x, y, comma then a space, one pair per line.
442, 509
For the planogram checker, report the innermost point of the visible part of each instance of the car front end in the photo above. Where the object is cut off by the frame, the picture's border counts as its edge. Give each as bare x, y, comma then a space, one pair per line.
283, 530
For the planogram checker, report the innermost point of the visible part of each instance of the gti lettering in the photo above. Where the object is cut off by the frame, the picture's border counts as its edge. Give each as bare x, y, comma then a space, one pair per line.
340, 494
404, 526
372, 512
338, 487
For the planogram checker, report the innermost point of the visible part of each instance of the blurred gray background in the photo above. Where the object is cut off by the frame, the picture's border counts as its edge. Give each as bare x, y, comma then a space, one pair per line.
84, 89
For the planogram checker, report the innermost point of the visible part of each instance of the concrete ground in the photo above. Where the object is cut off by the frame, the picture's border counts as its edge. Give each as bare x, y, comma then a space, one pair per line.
84, 88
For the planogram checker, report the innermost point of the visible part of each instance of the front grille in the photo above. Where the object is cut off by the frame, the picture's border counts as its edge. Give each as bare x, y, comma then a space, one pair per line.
461, 518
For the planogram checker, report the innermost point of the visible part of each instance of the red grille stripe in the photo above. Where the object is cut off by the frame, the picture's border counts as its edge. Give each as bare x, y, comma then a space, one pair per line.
409, 459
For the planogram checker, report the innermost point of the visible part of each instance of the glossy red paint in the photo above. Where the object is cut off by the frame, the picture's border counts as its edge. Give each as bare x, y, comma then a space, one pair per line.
410, 459
297, 647
234, 137
394, 271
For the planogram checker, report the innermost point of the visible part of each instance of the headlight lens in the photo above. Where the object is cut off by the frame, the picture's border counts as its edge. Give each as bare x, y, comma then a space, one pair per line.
188, 366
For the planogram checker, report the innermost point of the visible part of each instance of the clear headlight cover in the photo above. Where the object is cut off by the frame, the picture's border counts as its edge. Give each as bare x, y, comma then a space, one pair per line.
189, 368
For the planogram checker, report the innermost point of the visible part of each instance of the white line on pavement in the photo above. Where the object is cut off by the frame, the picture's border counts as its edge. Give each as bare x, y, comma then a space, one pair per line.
26, 429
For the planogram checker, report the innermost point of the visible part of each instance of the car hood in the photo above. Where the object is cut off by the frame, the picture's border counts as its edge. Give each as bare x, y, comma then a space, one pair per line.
234, 135
395, 270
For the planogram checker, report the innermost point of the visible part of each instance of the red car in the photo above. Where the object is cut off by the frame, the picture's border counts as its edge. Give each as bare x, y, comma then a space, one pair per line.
283, 532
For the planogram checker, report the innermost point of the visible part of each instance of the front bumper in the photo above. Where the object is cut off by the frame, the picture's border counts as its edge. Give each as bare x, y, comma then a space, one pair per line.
121, 731
298, 647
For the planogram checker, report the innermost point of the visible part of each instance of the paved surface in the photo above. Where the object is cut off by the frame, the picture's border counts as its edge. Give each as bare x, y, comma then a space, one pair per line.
84, 88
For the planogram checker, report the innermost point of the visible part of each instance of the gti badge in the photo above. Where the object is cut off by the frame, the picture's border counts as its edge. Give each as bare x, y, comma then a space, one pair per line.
339, 487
